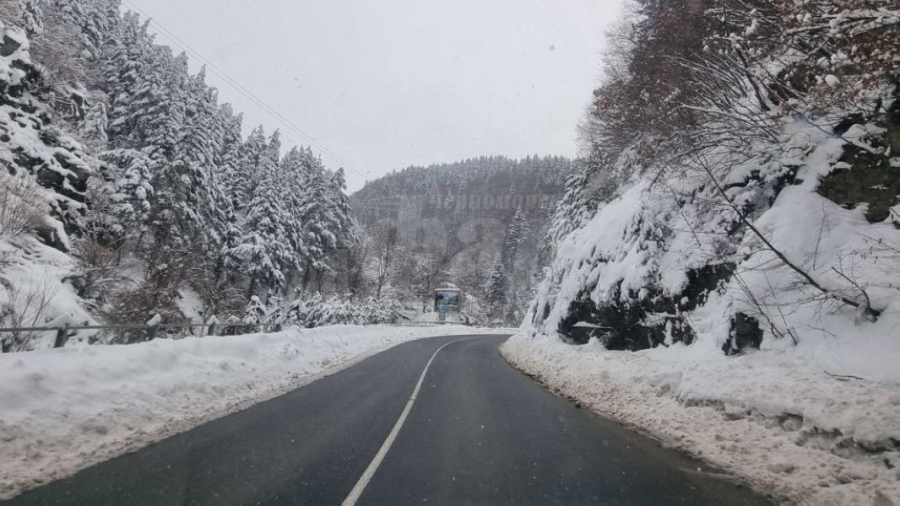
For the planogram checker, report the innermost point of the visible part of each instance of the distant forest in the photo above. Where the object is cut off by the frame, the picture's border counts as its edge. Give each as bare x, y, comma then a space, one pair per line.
479, 224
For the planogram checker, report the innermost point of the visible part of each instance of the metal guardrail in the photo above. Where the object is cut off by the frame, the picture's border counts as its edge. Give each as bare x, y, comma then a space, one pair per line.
64, 332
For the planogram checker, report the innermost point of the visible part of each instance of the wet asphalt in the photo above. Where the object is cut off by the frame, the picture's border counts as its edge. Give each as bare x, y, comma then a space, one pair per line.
479, 433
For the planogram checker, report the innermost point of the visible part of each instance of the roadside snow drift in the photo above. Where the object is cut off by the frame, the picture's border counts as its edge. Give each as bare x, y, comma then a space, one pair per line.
63, 410
749, 253
774, 419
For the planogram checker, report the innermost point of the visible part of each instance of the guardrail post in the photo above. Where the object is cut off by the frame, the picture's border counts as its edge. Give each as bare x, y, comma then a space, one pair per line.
62, 335
152, 332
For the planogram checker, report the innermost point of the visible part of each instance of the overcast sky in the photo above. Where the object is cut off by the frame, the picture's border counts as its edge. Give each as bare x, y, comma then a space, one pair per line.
384, 84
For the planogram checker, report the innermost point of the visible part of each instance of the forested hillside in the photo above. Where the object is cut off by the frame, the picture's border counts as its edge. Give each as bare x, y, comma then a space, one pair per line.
719, 268
728, 258
477, 224
760, 174
143, 192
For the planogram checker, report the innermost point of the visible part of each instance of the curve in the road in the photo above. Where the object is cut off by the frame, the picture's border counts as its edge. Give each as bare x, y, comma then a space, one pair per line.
475, 431
386, 446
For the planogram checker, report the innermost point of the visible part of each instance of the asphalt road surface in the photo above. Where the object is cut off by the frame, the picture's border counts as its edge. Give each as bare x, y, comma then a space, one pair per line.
476, 432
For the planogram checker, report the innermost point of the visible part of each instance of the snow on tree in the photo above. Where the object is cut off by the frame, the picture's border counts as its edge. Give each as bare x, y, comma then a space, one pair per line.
452, 218
323, 213
127, 193
516, 233
94, 126
497, 290
96, 20
262, 249
175, 184
765, 107
242, 184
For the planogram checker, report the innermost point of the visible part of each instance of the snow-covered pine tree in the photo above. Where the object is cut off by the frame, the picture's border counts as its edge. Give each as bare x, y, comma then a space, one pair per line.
585, 190
293, 177
247, 174
516, 233
123, 211
323, 216
193, 164
178, 180
94, 126
340, 205
96, 19
497, 289
125, 79
263, 248
223, 217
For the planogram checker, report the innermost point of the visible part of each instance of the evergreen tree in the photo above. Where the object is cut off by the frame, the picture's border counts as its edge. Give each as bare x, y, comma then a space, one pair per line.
497, 289
196, 197
223, 217
125, 77
516, 233
262, 249
243, 182
93, 127
324, 213
128, 194
180, 186
96, 19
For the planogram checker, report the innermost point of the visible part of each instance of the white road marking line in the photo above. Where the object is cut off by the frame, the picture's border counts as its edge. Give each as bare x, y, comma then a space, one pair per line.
386, 446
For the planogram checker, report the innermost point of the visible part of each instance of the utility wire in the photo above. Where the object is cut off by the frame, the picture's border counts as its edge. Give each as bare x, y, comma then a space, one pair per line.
244, 91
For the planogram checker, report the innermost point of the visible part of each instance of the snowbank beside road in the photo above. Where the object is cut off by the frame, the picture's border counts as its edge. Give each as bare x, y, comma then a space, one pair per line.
773, 418
62, 410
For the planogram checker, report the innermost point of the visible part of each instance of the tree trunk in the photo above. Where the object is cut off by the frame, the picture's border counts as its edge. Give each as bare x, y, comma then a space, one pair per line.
380, 284
252, 290
320, 280
306, 276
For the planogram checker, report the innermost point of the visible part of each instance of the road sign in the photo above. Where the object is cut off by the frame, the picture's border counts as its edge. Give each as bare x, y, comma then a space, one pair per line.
447, 300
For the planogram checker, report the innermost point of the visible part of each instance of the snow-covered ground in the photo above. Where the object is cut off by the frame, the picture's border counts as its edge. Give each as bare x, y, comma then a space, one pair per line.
64, 409
774, 418
32, 291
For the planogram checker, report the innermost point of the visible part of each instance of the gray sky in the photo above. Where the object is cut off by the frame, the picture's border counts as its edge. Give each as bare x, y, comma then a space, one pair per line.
390, 83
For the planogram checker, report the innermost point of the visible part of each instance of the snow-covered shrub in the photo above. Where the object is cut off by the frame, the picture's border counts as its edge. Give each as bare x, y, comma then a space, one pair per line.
255, 312
97, 274
27, 306
23, 207
318, 311
268, 316
139, 304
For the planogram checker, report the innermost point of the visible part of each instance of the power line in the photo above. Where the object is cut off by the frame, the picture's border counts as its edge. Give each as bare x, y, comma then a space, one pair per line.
244, 91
